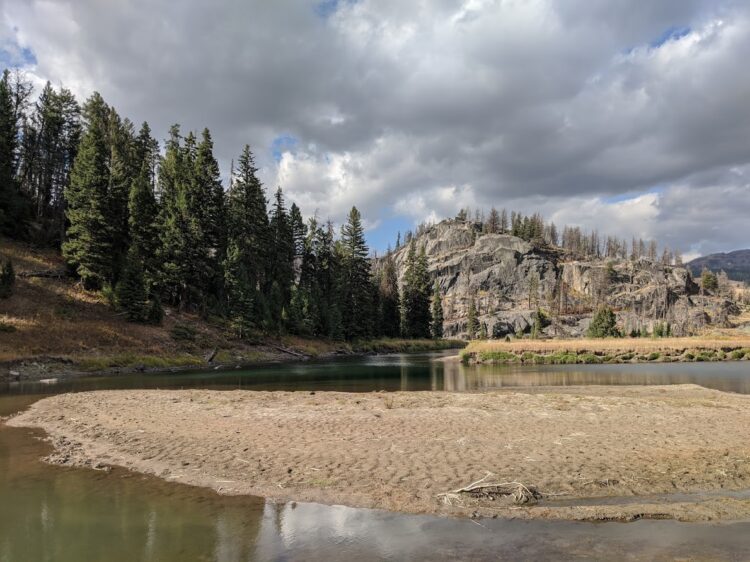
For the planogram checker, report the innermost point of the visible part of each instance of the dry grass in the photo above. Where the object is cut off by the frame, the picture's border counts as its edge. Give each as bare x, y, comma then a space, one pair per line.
49, 318
612, 345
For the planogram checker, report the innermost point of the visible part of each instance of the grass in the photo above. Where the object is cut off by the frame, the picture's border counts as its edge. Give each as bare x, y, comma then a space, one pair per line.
131, 360
49, 318
388, 345
613, 350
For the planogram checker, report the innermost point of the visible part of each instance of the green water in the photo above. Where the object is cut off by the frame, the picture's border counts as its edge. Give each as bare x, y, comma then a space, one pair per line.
54, 513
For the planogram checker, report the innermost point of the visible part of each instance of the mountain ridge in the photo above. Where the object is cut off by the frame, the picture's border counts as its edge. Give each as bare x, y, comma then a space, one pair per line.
735, 264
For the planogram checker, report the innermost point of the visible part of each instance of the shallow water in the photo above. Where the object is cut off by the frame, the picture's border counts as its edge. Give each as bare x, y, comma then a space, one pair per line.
54, 513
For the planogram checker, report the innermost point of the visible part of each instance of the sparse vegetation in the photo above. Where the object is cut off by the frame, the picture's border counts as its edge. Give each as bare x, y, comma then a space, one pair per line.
593, 351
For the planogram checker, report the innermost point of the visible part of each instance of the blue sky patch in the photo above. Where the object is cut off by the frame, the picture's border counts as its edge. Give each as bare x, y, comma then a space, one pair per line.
13, 55
283, 143
326, 8
379, 238
620, 197
670, 34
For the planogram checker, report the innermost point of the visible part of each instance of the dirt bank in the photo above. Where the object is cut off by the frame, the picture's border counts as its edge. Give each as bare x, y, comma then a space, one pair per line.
403, 451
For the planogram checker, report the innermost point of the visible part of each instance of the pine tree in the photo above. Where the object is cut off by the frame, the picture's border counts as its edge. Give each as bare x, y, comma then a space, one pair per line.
492, 226
122, 170
207, 209
89, 245
240, 290
14, 207
416, 316
436, 327
248, 244
356, 284
50, 141
472, 324
389, 302
131, 294
604, 324
143, 213
175, 227
281, 265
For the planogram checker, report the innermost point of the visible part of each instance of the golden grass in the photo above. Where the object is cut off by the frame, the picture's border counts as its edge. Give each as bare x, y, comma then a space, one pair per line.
611, 345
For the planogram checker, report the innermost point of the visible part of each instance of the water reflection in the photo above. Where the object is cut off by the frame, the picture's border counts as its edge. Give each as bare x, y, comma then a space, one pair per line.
727, 377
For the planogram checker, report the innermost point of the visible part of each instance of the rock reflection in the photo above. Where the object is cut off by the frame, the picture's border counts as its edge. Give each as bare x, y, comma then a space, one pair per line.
727, 377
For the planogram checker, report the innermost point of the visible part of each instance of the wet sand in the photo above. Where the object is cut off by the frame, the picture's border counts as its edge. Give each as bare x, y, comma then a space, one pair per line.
405, 451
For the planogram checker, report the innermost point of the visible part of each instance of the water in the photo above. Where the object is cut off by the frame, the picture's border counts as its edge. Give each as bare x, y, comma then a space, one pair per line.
62, 514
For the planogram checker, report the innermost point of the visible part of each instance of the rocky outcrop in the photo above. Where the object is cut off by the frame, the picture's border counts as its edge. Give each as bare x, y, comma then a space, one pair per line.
510, 279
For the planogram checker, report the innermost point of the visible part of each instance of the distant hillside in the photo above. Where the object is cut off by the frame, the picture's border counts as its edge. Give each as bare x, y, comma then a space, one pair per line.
735, 264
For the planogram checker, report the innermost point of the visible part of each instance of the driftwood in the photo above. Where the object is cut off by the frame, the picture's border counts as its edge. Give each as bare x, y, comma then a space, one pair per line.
481, 489
211, 355
48, 274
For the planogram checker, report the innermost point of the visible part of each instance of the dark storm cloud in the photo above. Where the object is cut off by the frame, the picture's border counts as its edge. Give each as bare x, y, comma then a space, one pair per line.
419, 107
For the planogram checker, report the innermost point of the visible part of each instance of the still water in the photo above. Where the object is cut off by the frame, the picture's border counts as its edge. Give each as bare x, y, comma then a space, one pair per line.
53, 513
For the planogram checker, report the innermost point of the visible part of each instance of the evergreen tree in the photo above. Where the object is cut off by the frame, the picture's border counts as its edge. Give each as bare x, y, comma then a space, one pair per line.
492, 226
122, 170
7, 280
416, 315
437, 313
240, 290
14, 208
176, 230
356, 285
248, 244
709, 281
389, 303
89, 245
50, 141
143, 214
207, 210
472, 324
131, 294
604, 324
281, 265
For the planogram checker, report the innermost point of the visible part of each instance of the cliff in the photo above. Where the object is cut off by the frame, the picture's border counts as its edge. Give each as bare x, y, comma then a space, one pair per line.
510, 278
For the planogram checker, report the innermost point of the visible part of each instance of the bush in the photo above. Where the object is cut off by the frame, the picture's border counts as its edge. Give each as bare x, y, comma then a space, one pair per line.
7, 280
183, 332
7, 328
604, 324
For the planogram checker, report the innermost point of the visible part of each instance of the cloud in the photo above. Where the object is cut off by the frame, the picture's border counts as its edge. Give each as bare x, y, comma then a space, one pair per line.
412, 109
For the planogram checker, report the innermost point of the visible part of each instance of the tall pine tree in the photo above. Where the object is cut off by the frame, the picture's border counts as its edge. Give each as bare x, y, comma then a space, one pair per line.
389, 314
415, 303
248, 239
356, 283
89, 246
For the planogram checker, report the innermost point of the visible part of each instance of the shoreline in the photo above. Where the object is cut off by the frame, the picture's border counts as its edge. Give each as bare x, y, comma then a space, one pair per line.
273, 353
607, 351
410, 454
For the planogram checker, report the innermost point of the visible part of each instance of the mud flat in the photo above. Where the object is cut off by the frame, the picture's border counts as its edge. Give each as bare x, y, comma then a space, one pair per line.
542, 453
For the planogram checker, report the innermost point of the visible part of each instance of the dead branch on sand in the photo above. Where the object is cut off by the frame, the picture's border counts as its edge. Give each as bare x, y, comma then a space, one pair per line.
481, 489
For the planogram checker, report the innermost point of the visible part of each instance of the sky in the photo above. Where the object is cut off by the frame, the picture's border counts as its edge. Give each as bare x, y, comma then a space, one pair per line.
629, 117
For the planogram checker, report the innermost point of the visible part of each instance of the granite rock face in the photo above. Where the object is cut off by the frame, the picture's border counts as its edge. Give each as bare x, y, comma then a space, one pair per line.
510, 278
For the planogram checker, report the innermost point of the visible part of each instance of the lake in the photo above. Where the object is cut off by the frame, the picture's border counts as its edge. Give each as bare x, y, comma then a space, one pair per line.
65, 514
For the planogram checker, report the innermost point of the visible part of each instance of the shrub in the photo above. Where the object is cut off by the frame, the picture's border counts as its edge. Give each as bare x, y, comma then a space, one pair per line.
7, 280
604, 324
7, 328
183, 332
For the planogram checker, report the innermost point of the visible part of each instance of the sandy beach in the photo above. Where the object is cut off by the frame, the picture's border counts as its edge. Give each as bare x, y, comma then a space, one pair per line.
408, 451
